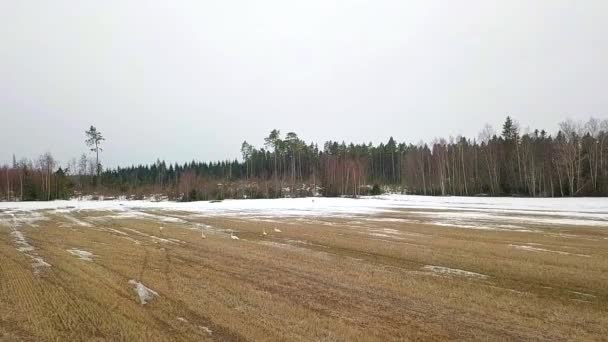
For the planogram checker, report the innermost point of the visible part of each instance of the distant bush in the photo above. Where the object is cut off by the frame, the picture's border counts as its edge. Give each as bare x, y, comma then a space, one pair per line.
376, 190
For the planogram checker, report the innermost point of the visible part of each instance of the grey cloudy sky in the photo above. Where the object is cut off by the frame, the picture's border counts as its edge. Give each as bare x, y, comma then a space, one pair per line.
184, 80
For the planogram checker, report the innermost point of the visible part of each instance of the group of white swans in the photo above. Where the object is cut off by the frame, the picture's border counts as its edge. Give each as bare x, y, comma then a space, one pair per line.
232, 236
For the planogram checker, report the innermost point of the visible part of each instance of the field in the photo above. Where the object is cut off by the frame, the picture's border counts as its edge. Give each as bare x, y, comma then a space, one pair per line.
373, 269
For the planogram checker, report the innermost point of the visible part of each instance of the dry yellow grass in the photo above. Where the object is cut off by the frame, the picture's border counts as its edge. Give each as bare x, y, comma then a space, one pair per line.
361, 279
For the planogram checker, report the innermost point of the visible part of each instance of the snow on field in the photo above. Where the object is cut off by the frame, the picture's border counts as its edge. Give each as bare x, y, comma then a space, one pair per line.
466, 212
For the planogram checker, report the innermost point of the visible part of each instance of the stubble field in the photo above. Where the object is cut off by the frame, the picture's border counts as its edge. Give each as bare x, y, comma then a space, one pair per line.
396, 268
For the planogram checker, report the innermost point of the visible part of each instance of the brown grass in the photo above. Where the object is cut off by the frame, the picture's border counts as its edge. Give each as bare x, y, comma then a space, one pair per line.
319, 279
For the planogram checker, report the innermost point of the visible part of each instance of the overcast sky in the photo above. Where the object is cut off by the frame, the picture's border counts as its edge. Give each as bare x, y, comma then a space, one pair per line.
183, 80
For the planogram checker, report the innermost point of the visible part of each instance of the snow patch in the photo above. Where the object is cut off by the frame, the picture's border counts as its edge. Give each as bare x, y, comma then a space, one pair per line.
278, 245
170, 241
137, 242
475, 223
390, 219
453, 271
77, 221
21, 241
382, 235
117, 231
153, 237
38, 263
82, 255
538, 249
144, 293
582, 294
130, 214
21, 218
207, 330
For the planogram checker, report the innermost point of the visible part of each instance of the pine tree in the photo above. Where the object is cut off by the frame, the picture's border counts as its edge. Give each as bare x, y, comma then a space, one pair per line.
94, 139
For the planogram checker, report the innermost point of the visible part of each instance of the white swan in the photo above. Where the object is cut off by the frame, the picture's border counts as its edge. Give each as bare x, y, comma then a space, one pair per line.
264, 232
233, 237
277, 230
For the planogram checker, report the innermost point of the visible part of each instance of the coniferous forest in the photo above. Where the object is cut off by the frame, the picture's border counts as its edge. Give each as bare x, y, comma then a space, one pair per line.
509, 162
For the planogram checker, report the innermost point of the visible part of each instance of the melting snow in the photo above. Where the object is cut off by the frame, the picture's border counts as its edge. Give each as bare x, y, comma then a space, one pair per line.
278, 244
538, 249
130, 214
21, 241
474, 212
145, 294
453, 271
382, 235
172, 241
153, 237
19, 218
37, 263
584, 294
77, 221
27, 249
117, 231
82, 255
137, 242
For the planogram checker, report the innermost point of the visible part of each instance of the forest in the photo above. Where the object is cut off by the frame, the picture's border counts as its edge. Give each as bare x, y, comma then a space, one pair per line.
572, 162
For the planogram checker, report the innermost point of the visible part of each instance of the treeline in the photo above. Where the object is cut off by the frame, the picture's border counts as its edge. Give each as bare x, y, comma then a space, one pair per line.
532, 163
573, 162
39, 180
